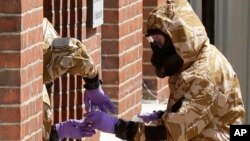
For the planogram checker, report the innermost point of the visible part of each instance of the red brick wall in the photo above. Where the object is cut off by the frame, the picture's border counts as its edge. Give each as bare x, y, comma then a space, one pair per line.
21, 69
158, 87
122, 54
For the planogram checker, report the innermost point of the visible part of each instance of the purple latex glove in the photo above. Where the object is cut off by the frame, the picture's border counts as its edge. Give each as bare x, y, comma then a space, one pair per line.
73, 128
147, 117
97, 97
101, 121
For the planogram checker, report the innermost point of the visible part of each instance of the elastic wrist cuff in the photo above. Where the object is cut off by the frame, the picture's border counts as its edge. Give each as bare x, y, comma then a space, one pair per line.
93, 85
126, 129
53, 134
160, 113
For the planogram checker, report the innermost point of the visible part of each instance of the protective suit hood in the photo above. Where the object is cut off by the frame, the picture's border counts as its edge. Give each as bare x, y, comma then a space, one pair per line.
177, 19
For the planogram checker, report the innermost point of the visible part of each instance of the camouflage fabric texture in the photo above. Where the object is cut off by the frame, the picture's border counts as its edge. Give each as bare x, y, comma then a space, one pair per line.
210, 87
67, 55
49, 34
64, 55
61, 55
47, 121
47, 115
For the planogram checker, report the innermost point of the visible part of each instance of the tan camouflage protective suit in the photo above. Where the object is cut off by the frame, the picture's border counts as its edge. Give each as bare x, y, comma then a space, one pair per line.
61, 55
211, 90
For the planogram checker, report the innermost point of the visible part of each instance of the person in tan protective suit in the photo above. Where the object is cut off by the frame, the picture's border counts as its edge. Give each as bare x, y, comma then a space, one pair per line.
69, 55
205, 96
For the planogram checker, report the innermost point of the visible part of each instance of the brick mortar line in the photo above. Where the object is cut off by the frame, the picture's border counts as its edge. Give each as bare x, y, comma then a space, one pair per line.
130, 109
31, 29
111, 85
92, 38
124, 7
9, 124
21, 32
121, 84
22, 51
21, 14
32, 10
95, 51
23, 122
9, 51
147, 63
10, 15
20, 69
125, 82
121, 38
125, 36
126, 96
32, 117
32, 46
162, 88
29, 135
33, 133
123, 67
122, 53
25, 85
147, 49
97, 34
11, 33
111, 39
32, 99
131, 33
149, 7
125, 21
149, 77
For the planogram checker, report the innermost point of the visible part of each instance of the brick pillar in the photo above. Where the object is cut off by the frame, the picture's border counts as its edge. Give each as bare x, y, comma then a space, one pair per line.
21, 69
122, 54
153, 87
69, 19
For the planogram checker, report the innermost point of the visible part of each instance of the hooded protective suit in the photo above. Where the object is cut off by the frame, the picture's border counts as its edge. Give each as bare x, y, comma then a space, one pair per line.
61, 55
64, 55
207, 88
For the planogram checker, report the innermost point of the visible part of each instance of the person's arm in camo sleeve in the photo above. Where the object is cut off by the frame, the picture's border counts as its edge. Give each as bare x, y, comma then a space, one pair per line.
69, 55
131, 130
205, 96
123, 129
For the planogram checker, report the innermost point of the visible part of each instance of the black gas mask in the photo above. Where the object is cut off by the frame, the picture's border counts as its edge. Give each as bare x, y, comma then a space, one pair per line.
165, 59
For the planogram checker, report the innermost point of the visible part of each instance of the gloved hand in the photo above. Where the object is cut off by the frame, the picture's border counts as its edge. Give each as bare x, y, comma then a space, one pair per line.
74, 129
97, 97
147, 117
101, 121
